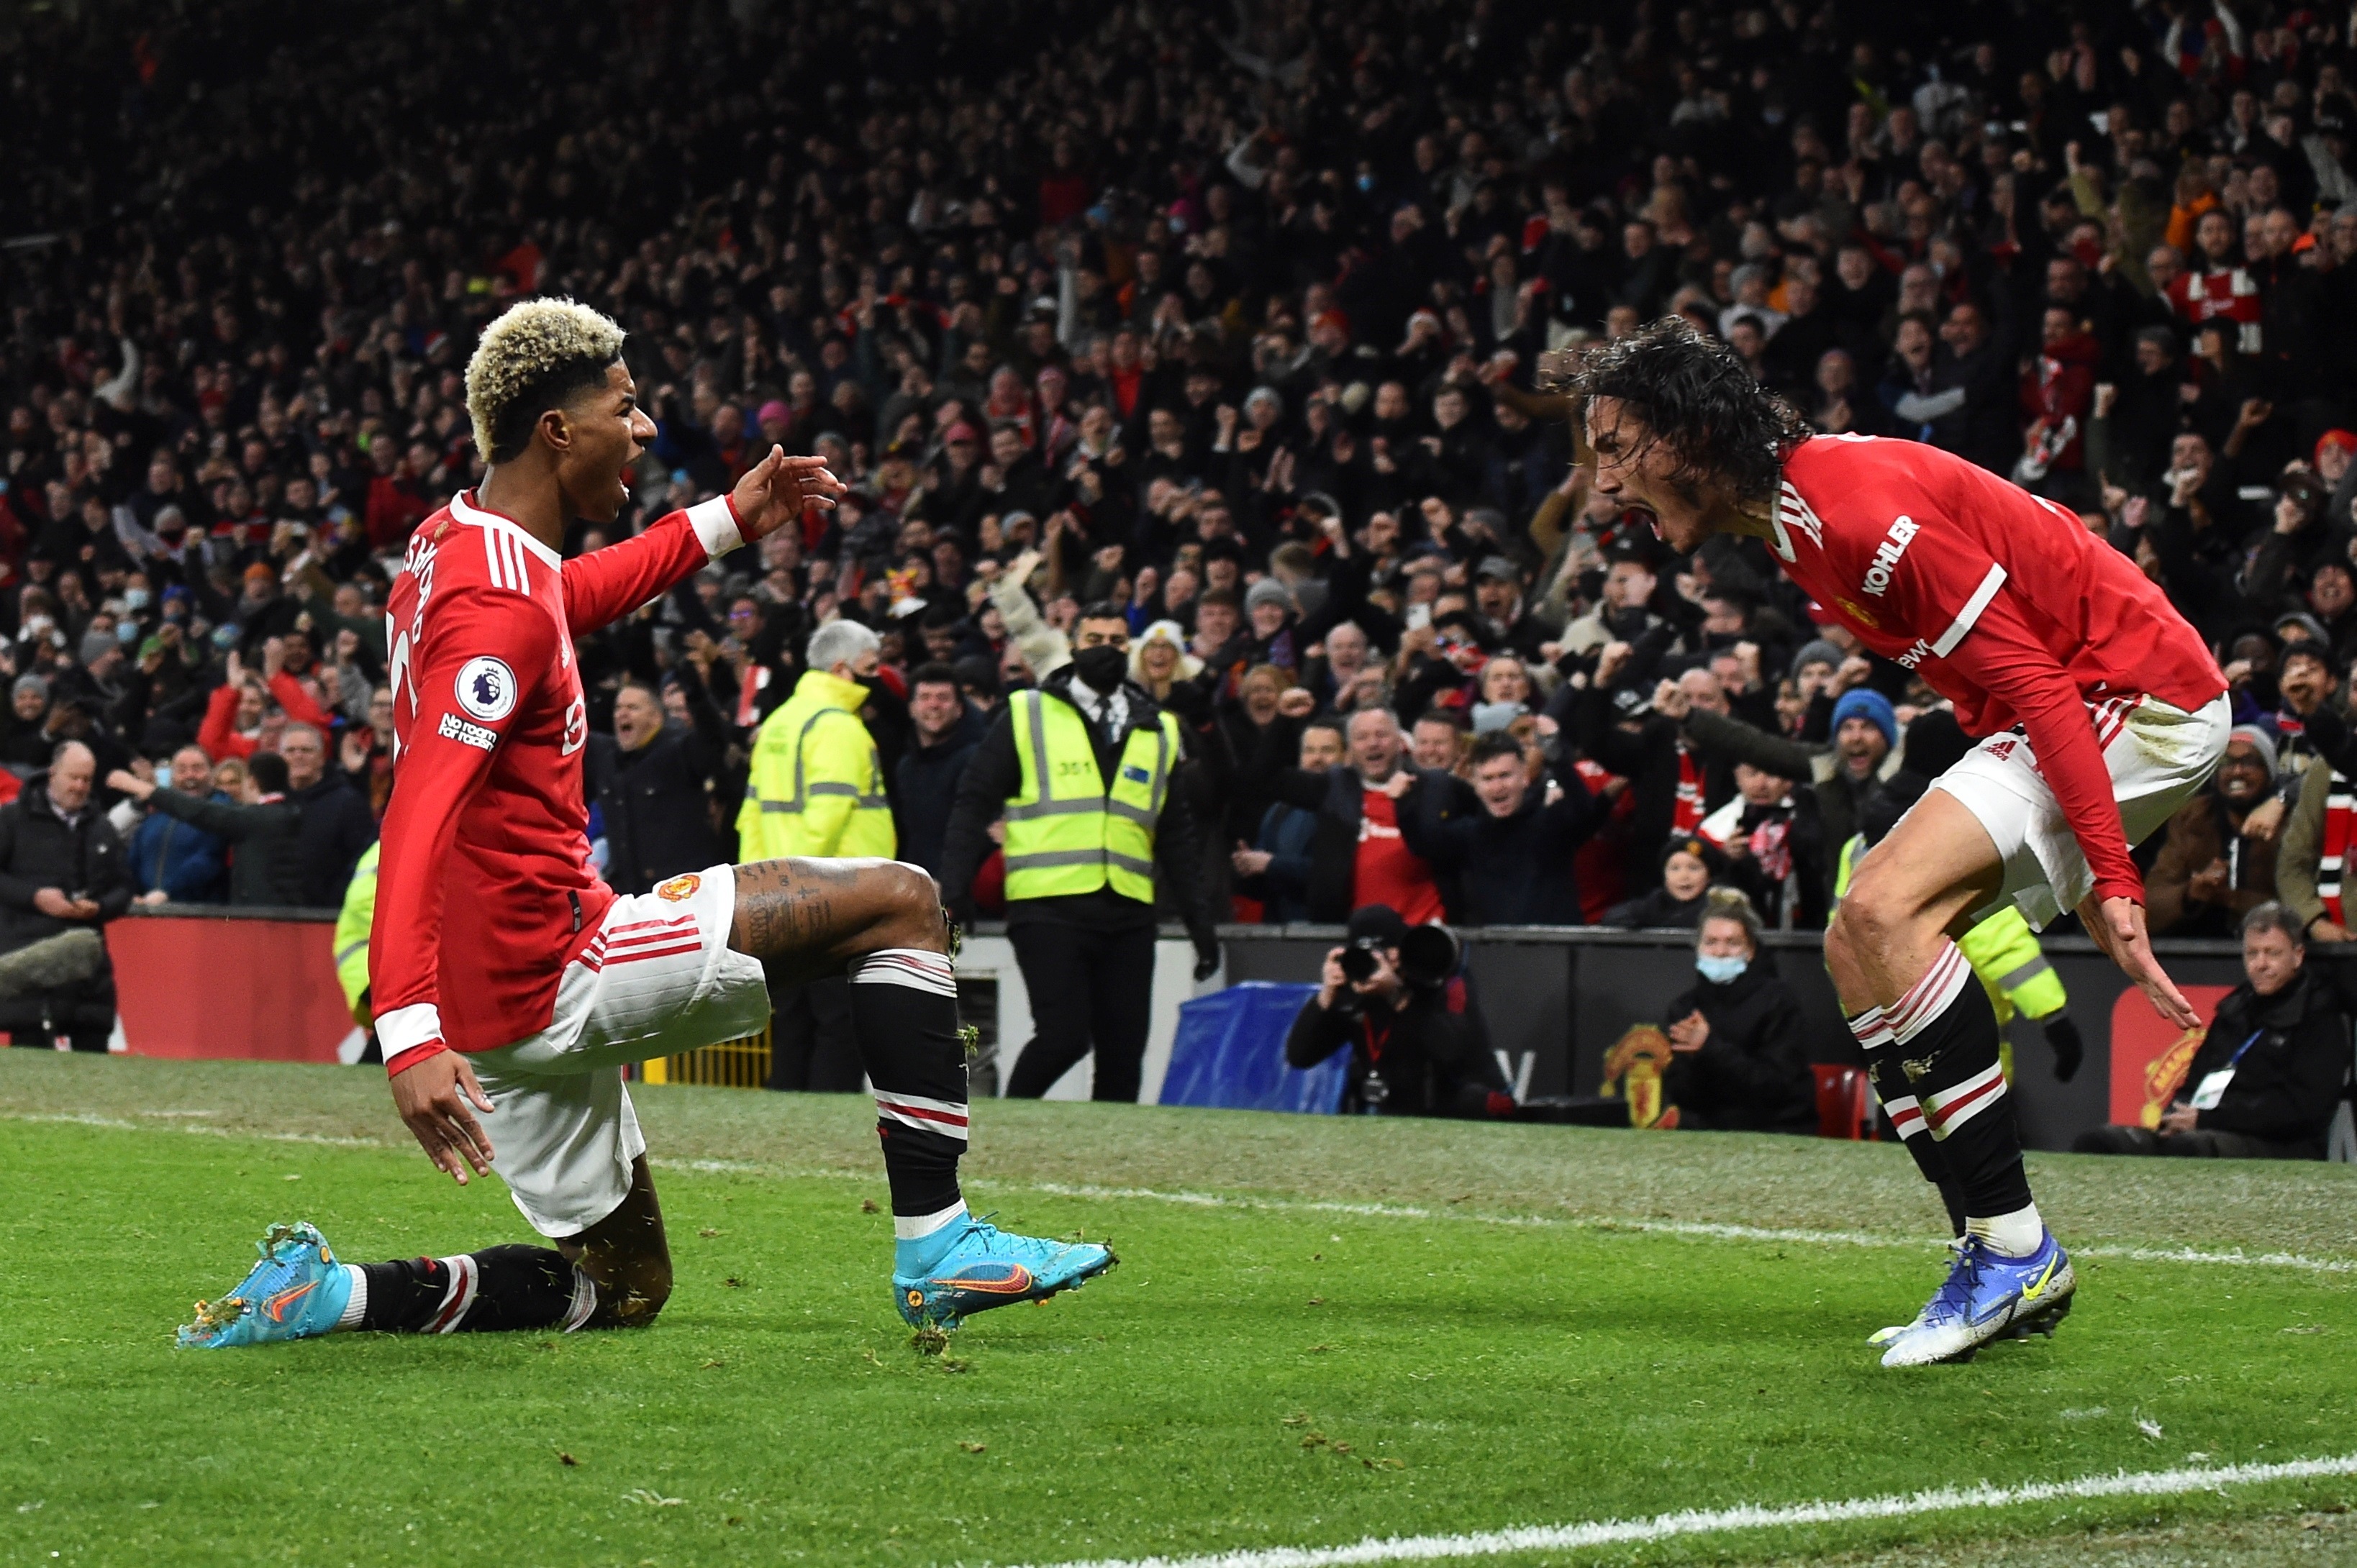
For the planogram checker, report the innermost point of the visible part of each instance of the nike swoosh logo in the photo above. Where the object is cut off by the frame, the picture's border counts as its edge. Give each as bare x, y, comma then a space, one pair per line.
2037, 1288
1014, 1283
285, 1299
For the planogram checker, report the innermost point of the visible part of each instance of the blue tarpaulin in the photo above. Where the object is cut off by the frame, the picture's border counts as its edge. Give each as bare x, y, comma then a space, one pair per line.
1229, 1053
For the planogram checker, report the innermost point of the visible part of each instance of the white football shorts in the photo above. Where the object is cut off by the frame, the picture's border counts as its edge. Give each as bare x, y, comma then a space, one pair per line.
657, 979
2158, 757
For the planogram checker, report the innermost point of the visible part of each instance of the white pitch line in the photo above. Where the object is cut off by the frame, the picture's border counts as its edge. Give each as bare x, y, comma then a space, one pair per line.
1711, 1521
1699, 1230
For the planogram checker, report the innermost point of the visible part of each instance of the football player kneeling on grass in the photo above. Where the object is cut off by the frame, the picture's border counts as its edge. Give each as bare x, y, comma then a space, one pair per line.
509, 984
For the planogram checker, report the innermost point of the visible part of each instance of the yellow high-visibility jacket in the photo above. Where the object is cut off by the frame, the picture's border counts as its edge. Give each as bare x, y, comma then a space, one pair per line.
1068, 828
352, 936
817, 787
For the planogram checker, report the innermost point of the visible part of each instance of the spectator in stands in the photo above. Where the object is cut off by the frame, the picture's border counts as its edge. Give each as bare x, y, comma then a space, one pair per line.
1416, 1050
946, 730
1689, 866
172, 861
246, 711
1513, 856
1842, 776
1357, 855
1620, 613
2270, 1071
263, 828
2218, 861
62, 869
337, 824
654, 789
25, 744
1738, 1049
1275, 867
1437, 740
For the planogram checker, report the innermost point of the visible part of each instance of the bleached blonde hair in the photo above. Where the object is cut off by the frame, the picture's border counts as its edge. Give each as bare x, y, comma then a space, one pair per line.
536, 356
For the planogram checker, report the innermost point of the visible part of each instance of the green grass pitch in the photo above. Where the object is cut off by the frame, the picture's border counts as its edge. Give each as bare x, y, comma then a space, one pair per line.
1321, 1331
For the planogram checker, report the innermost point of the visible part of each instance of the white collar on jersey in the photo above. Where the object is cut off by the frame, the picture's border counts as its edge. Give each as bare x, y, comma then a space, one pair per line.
1792, 512
464, 509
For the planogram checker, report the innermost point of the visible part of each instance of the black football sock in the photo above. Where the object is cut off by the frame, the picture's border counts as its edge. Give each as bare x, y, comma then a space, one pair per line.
904, 1012
1944, 1035
1899, 1102
511, 1286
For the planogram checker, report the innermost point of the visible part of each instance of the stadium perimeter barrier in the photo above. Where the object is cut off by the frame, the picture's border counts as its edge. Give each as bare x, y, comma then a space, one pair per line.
259, 983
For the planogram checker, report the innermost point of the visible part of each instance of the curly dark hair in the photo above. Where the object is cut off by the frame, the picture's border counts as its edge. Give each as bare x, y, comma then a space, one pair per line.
1693, 392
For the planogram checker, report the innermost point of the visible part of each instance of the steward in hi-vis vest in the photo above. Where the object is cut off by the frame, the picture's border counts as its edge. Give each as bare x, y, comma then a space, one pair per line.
816, 791
1085, 773
816, 788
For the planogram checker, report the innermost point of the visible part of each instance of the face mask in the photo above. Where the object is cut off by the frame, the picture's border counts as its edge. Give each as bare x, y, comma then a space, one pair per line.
1719, 971
1101, 668
136, 598
127, 633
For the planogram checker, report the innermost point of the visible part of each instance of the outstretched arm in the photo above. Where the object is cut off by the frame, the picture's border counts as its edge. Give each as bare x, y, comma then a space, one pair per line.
607, 584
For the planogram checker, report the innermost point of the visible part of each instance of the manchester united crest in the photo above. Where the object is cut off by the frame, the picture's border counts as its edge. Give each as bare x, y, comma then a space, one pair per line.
679, 888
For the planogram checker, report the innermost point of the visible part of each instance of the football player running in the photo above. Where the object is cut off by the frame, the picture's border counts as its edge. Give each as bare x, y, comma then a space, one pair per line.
510, 985
2101, 711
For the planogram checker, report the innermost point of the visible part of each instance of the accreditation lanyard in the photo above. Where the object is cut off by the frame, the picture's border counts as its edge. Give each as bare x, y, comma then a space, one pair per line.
2214, 1085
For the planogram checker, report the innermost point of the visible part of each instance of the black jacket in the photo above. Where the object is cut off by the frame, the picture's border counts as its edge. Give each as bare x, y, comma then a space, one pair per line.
1513, 871
1657, 910
39, 849
925, 786
1431, 1057
1337, 796
993, 775
1815, 769
1752, 1073
266, 864
336, 830
2287, 1084
656, 801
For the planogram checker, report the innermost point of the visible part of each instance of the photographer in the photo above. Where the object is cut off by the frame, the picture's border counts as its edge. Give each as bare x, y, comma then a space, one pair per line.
1389, 997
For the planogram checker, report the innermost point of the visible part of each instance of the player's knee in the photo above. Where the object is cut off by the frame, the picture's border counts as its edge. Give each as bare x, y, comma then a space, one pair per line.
639, 1301
1873, 913
913, 900
1841, 955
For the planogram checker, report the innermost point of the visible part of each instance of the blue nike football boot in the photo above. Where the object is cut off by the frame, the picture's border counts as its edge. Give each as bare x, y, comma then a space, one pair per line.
297, 1291
986, 1267
2023, 1326
1987, 1297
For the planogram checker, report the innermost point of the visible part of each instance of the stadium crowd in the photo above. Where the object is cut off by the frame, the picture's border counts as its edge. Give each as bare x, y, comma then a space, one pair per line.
1225, 318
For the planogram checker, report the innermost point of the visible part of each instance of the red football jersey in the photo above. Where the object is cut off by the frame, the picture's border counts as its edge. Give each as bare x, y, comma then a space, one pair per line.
484, 888
2004, 602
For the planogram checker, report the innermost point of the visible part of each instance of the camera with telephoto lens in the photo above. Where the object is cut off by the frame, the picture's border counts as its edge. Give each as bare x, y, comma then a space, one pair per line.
1360, 958
1428, 955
